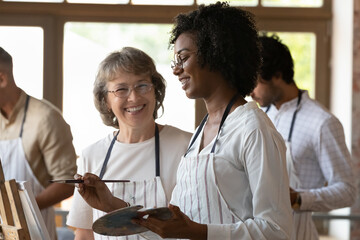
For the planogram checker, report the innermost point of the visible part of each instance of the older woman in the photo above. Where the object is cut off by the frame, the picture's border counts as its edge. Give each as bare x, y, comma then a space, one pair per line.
128, 92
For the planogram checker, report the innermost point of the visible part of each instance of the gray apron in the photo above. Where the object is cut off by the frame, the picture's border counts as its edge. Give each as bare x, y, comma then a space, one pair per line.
148, 193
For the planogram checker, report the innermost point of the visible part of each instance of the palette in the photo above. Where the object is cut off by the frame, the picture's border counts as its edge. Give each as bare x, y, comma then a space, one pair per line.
118, 222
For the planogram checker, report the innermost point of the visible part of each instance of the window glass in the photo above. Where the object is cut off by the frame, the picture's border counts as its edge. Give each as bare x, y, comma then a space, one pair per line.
86, 45
100, 1
52, 1
163, 2
302, 47
25, 45
232, 2
292, 3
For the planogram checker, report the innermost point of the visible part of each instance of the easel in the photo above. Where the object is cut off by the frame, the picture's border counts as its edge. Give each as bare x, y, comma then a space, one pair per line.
13, 226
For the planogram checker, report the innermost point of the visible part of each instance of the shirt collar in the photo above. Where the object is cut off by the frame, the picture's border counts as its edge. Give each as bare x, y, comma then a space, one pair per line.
293, 102
18, 107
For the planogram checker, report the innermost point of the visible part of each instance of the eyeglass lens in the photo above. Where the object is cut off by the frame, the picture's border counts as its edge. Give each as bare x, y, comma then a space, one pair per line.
124, 91
177, 62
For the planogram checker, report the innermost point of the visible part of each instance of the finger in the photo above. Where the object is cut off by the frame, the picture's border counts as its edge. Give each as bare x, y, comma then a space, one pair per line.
141, 214
80, 190
91, 179
175, 210
77, 176
91, 175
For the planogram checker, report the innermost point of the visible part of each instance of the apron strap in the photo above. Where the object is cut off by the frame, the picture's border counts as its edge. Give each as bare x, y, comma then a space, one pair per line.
197, 133
24, 118
226, 113
294, 116
103, 169
268, 108
157, 153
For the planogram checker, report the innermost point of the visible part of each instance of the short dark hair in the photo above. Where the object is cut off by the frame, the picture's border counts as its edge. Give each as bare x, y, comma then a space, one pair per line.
5, 57
276, 59
227, 41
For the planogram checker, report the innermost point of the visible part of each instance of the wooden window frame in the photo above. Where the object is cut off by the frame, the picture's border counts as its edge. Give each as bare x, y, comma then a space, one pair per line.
53, 16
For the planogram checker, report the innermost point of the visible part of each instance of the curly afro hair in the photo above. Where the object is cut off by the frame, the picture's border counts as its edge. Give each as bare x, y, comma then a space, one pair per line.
227, 41
276, 59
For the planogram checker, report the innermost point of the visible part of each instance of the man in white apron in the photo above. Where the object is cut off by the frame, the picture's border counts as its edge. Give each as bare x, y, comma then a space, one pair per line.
35, 144
318, 161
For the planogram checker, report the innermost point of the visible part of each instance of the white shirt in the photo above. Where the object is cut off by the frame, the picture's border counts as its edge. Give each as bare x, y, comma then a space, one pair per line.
319, 152
135, 162
253, 179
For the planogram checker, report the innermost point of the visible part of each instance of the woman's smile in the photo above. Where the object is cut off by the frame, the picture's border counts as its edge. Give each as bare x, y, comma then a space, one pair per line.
134, 110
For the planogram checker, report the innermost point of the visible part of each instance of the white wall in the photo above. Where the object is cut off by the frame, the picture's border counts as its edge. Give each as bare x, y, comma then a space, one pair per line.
341, 87
342, 64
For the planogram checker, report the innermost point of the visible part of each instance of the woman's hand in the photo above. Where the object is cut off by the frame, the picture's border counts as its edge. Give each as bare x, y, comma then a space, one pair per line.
97, 194
179, 226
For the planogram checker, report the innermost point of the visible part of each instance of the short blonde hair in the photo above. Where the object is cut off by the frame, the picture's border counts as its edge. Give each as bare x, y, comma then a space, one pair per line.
129, 60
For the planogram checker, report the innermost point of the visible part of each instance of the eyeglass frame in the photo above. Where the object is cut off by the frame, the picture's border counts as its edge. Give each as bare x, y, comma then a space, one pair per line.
130, 89
178, 61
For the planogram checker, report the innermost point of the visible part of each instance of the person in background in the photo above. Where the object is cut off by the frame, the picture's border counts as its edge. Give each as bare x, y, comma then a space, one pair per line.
318, 161
35, 143
128, 92
232, 181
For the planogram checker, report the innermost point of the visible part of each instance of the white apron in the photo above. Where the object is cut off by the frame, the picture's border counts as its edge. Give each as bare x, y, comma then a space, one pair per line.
16, 166
304, 228
199, 195
148, 193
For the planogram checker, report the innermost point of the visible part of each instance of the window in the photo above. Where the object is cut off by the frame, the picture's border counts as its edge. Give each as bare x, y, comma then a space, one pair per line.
302, 47
25, 45
232, 2
292, 3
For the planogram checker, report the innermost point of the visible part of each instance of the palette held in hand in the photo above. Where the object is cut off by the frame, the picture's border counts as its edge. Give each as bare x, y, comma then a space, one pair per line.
81, 181
118, 222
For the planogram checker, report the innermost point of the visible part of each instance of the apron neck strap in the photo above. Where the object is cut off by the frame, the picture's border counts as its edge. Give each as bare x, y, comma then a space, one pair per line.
24, 118
107, 157
157, 153
294, 115
226, 113
268, 108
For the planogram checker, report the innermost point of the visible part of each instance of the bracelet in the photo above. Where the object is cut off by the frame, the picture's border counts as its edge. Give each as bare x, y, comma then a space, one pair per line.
127, 204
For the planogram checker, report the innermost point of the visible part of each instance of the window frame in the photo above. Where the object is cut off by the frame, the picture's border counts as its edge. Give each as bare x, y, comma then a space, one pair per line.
53, 16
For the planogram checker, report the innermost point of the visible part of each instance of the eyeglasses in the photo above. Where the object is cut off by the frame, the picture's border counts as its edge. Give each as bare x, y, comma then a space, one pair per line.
124, 91
179, 61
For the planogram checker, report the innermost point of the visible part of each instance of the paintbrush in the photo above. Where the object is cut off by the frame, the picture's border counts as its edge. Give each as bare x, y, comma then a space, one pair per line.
81, 181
